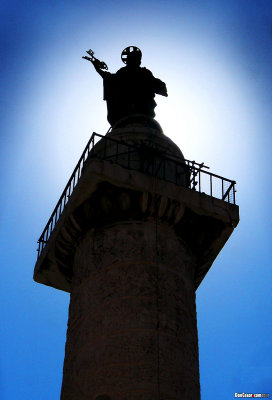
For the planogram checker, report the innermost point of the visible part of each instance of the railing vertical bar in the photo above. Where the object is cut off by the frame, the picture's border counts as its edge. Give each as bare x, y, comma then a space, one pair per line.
46, 233
78, 173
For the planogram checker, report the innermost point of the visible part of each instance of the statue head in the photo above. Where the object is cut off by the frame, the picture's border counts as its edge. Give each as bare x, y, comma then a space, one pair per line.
132, 56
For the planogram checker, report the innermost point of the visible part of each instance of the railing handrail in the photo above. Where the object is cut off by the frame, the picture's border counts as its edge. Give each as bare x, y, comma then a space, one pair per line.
69, 182
194, 168
166, 156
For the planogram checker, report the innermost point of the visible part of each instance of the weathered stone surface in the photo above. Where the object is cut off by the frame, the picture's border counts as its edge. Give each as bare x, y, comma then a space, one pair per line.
132, 322
132, 248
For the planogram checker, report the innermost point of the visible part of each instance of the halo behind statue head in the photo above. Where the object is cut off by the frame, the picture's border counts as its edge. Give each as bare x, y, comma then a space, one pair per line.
131, 51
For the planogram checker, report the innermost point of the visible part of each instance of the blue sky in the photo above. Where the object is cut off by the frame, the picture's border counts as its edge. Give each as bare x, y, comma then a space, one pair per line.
216, 58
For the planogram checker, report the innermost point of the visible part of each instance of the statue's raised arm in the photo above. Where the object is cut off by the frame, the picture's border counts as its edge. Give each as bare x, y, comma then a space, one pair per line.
131, 90
98, 65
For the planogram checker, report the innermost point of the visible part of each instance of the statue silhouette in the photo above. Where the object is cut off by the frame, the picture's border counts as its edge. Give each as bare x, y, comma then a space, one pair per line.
131, 90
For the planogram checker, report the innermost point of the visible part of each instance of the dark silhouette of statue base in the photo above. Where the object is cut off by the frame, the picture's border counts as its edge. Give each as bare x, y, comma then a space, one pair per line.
131, 90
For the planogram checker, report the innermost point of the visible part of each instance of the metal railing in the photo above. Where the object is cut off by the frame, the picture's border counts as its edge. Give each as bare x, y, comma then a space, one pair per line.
146, 159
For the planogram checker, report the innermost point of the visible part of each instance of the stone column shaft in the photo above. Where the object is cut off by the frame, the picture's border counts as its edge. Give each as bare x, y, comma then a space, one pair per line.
132, 331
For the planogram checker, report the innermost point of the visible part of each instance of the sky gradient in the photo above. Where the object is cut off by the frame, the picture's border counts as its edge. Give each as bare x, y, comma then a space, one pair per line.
216, 59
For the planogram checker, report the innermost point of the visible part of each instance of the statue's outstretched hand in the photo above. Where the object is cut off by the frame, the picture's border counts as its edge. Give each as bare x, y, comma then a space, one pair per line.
98, 65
